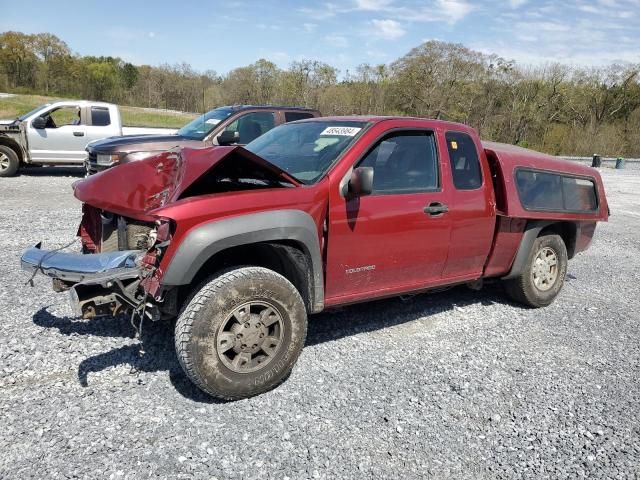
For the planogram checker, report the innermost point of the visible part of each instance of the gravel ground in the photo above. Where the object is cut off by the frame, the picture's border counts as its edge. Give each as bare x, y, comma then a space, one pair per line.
457, 384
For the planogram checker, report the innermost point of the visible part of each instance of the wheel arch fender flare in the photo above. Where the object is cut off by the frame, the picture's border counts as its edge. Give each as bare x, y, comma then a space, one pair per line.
208, 239
531, 232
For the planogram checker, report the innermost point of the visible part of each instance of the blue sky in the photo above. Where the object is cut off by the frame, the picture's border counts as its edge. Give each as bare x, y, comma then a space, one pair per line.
223, 35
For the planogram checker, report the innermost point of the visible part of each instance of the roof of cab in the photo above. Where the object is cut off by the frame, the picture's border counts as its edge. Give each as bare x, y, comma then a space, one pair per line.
509, 156
236, 108
383, 118
82, 103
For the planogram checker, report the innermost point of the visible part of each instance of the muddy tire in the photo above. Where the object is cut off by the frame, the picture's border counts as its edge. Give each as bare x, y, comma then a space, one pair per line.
543, 276
9, 161
241, 333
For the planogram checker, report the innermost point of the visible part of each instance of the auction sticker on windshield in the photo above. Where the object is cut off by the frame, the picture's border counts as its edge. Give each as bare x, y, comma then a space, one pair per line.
341, 131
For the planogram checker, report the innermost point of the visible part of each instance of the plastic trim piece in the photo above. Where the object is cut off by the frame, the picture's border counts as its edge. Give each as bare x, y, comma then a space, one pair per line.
530, 234
205, 241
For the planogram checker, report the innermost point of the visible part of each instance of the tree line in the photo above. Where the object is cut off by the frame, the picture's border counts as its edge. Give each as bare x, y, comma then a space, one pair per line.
555, 108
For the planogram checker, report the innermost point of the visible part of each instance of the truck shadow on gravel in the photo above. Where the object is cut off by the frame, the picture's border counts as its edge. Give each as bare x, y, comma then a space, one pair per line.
155, 351
379, 314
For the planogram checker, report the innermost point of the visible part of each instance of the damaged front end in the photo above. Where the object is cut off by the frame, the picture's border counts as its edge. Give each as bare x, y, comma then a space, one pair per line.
98, 284
118, 203
125, 235
102, 284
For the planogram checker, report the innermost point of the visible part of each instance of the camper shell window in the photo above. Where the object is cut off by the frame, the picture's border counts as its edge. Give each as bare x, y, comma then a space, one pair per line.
555, 192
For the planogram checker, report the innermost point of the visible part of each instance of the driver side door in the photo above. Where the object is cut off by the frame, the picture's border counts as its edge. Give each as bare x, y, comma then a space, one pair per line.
394, 240
63, 140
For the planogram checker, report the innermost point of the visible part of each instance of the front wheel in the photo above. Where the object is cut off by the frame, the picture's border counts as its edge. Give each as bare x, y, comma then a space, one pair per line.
9, 161
241, 333
543, 276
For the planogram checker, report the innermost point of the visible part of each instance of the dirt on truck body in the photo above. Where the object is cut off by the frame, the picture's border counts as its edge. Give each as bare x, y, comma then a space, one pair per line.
242, 243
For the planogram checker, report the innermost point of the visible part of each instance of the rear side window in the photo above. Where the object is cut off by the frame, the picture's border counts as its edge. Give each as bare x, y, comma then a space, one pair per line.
293, 116
555, 192
465, 165
100, 117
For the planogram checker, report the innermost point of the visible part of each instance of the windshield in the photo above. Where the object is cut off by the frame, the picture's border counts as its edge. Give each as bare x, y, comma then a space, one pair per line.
200, 127
22, 118
306, 150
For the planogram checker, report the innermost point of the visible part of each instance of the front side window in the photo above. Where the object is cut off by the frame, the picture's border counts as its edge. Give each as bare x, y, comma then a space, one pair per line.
404, 162
550, 191
465, 165
306, 150
252, 125
200, 127
62, 116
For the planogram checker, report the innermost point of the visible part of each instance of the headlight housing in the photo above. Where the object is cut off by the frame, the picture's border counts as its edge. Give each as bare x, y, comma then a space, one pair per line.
106, 160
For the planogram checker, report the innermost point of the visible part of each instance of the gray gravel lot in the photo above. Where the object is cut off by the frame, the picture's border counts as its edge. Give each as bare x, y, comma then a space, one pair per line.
458, 384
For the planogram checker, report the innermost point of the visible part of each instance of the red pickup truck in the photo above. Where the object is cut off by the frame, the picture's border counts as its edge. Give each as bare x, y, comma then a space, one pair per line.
242, 243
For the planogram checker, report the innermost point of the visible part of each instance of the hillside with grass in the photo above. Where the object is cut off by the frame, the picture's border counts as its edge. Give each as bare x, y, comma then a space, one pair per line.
16, 105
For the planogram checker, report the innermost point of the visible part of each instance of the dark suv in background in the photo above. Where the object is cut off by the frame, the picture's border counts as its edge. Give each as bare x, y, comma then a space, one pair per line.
238, 124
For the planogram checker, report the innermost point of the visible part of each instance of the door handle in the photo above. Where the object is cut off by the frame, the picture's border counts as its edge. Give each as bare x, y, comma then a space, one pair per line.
78, 134
436, 208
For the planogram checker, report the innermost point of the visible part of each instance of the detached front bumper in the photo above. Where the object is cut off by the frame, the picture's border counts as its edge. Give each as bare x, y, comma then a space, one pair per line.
77, 267
99, 284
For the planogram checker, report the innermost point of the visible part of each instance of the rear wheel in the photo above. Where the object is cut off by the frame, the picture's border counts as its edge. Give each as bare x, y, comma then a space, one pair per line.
9, 161
543, 276
241, 333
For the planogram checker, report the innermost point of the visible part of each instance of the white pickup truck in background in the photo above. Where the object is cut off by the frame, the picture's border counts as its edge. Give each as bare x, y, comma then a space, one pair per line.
57, 133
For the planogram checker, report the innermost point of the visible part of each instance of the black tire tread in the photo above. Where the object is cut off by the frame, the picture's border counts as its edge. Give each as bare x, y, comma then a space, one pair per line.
14, 164
520, 288
200, 296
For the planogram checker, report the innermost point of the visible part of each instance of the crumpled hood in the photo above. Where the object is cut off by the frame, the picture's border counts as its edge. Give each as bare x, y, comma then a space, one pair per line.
132, 143
134, 189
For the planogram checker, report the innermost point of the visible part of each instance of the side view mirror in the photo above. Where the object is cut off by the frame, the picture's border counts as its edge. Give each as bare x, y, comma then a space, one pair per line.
39, 123
228, 137
361, 182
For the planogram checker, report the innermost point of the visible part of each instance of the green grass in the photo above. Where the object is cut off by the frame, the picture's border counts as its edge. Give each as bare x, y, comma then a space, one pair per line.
13, 107
139, 117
